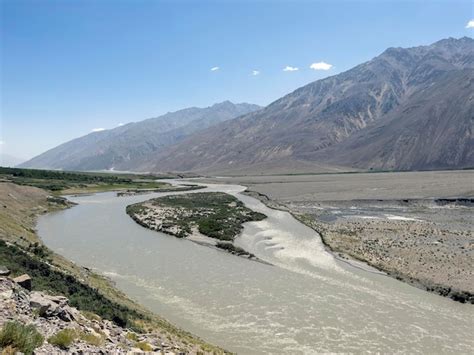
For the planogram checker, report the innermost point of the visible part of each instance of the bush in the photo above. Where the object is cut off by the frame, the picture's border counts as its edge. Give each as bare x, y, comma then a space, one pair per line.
92, 339
64, 338
143, 346
22, 338
132, 336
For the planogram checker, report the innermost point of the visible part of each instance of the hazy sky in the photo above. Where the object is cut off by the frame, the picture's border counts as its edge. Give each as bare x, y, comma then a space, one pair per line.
69, 67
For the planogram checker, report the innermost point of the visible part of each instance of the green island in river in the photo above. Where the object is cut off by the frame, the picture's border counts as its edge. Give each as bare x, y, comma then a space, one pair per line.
210, 218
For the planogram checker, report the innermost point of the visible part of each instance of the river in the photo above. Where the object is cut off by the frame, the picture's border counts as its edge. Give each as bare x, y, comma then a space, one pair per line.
306, 302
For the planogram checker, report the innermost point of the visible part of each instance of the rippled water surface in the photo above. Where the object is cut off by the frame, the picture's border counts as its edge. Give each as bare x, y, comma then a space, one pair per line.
307, 302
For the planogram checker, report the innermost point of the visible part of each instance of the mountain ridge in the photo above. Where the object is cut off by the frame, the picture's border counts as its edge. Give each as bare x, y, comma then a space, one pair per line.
305, 124
127, 146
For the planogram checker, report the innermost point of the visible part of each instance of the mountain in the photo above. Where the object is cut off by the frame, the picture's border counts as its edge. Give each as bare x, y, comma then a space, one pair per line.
408, 108
9, 160
130, 146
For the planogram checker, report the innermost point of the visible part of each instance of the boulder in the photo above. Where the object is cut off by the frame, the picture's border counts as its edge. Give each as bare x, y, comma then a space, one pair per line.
24, 281
45, 307
4, 271
53, 306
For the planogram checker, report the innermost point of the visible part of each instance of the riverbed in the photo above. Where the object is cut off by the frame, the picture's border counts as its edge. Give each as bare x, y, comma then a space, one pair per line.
306, 302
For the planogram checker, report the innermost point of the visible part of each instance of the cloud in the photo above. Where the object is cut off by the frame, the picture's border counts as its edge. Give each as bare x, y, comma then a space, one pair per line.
470, 24
2, 142
97, 129
120, 124
215, 68
255, 72
321, 66
290, 68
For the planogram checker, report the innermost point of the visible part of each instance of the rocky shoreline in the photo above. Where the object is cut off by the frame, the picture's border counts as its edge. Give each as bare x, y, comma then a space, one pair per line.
65, 329
434, 255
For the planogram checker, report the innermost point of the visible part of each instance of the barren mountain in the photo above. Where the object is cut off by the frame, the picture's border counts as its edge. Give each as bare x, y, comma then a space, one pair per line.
129, 146
408, 108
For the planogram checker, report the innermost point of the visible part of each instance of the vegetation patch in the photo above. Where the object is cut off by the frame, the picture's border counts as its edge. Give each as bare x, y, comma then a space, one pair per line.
231, 248
73, 182
81, 296
214, 214
143, 346
20, 338
64, 338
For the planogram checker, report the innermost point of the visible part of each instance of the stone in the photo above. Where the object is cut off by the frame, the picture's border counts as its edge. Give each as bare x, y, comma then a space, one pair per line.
24, 281
4, 271
45, 307
6, 294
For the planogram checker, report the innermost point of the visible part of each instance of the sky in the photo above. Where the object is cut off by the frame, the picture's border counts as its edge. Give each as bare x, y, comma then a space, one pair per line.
72, 66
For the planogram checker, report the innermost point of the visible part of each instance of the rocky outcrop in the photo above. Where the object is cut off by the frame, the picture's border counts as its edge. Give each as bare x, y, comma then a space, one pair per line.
52, 314
24, 281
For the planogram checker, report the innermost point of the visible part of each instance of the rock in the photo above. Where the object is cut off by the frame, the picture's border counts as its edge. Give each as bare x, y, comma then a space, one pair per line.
6, 294
4, 271
45, 307
24, 281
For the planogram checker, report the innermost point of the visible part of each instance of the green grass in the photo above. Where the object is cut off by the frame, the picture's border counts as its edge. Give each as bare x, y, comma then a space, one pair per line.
143, 346
216, 215
92, 339
20, 337
64, 338
74, 182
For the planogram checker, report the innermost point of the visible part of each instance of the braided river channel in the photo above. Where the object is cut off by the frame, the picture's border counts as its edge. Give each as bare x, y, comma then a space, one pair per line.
302, 301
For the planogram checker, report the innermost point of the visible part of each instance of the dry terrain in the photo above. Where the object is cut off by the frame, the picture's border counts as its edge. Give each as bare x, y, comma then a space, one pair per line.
416, 226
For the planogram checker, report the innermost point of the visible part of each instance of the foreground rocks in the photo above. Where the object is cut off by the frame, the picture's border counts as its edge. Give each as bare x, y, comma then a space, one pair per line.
52, 314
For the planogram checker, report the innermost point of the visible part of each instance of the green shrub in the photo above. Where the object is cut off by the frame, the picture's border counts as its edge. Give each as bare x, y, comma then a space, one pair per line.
23, 338
143, 346
132, 336
92, 339
64, 338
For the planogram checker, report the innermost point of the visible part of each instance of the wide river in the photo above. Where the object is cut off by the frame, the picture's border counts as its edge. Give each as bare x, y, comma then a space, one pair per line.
306, 302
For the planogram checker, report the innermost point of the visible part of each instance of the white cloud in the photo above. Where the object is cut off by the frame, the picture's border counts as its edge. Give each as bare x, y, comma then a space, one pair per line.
470, 24
255, 72
120, 124
290, 68
2, 142
98, 129
321, 66
215, 68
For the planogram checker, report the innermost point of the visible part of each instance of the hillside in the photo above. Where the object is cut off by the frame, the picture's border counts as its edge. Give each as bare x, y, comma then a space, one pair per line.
408, 108
128, 146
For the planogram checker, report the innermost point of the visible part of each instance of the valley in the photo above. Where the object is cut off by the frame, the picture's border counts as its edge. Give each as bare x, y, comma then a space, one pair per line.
250, 307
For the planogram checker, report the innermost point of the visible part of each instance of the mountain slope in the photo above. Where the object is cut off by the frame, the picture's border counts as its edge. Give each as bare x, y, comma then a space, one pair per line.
307, 125
128, 146
430, 131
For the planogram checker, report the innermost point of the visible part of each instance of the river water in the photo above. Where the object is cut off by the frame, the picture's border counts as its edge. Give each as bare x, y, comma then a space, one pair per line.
306, 302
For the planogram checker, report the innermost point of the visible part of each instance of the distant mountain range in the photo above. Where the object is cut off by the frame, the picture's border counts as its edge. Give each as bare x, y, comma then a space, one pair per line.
9, 160
407, 109
131, 146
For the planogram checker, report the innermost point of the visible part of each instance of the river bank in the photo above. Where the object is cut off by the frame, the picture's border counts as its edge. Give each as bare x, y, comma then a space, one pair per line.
20, 208
308, 300
426, 242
